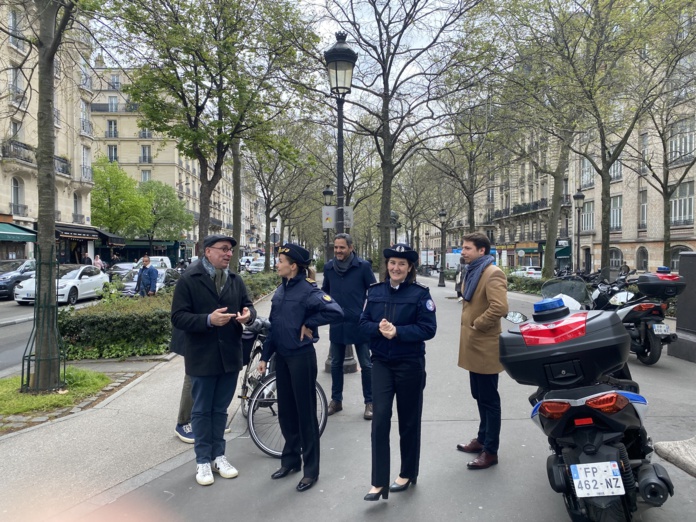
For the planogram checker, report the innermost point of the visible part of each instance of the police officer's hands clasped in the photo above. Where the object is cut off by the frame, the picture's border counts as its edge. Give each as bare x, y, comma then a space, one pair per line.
387, 329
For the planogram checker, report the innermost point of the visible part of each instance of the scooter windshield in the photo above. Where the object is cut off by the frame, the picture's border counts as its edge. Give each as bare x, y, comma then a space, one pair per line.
573, 287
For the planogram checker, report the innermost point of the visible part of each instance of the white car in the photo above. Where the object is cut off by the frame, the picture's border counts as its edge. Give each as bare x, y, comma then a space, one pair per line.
74, 282
527, 271
256, 266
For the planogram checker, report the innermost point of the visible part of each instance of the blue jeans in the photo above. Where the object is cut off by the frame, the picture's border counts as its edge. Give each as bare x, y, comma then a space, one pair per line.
212, 396
338, 355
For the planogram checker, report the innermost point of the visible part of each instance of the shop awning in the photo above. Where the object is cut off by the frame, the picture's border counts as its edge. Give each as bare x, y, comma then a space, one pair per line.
563, 252
145, 243
76, 232
532, 250
10, 232
110, 239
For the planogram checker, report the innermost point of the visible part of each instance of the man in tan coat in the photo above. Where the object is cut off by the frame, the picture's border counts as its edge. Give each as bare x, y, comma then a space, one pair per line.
484, 289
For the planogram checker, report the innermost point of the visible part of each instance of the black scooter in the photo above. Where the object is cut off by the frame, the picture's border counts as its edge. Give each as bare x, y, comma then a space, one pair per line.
600, 450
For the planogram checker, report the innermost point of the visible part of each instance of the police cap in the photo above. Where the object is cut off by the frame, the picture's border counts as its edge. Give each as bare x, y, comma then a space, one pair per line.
295, 252
403, 251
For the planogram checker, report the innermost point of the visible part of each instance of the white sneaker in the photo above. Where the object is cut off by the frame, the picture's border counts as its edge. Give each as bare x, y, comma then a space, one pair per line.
204, 475
224, 468
460, 299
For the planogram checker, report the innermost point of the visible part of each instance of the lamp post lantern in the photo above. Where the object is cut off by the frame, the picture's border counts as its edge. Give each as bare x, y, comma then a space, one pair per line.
579, 199
328, 196
340, 62
443, 245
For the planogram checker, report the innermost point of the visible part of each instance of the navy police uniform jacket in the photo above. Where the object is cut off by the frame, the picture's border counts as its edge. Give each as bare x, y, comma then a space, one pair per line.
208, 350
410, 308
349, 291
298, 302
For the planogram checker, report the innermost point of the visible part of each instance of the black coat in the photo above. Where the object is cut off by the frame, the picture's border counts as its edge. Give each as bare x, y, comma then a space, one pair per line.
209, 350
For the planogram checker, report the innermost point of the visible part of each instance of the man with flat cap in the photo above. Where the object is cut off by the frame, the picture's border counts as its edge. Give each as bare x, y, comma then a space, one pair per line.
298, 309
210, 305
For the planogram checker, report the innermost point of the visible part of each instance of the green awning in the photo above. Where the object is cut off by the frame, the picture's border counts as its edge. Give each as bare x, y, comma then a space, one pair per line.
10, 232
563, 252
110, 239
532, 250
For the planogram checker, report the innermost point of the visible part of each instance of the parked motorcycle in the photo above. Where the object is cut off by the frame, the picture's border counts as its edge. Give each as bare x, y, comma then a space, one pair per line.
600, 460
642, 314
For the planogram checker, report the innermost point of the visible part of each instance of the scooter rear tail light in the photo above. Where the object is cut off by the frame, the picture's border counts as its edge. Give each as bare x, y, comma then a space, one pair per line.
608, 403
585, 421
663, 306
555, 332
553, 409
644, 307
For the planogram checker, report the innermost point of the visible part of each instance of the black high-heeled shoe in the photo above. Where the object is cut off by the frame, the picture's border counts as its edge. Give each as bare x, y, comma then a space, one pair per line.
396, 488
383, 493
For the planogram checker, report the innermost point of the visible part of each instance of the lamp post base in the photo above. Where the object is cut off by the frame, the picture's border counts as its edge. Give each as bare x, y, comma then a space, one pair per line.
441, 282
350, 364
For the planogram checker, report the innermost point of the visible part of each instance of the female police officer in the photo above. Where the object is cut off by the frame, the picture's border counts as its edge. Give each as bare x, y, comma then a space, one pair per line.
298, 308
399, 316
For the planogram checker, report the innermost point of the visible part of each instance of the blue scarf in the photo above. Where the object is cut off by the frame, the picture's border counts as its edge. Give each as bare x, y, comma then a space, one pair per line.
473, 274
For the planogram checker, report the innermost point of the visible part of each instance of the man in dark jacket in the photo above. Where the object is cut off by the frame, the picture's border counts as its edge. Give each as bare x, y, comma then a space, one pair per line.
210, 305
346, 279
147, 278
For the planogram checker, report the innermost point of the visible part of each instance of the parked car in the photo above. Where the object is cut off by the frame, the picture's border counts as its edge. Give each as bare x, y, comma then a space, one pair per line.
166, 277
74, 282
156, 261
12, 272
119, 269
243, 262
527, 271
256, 266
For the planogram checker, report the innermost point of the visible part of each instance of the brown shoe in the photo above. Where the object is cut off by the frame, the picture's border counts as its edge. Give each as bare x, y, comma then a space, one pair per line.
368, 411
474, 446
483, 461
334, 406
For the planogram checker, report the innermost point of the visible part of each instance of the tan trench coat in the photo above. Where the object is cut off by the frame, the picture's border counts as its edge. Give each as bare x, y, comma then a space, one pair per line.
478, 345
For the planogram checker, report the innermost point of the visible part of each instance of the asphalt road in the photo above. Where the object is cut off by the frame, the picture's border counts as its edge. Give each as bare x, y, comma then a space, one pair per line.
515, 490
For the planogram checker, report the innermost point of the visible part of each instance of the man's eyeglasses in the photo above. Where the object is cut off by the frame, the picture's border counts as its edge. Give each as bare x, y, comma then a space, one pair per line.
225, 250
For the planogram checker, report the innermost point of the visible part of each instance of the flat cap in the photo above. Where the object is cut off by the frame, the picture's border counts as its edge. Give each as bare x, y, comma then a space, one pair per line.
212, 239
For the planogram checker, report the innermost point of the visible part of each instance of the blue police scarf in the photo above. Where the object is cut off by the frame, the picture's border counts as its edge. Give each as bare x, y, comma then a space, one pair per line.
473, 274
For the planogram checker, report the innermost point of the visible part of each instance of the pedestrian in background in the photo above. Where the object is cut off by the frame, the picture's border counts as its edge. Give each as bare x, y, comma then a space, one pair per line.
485, 303
298, 308
86, 260
147, 278
399, 317
210, 305
98, 262
346, 279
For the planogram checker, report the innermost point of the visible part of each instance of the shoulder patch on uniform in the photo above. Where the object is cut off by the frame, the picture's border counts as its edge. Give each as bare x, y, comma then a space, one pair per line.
310, 280
327, 298
420, 284
430, 305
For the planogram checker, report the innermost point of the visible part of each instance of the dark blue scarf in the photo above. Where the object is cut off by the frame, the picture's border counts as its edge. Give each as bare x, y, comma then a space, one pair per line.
473, 274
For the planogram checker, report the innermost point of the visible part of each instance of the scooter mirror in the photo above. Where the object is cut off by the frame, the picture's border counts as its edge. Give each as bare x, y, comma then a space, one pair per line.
516, 317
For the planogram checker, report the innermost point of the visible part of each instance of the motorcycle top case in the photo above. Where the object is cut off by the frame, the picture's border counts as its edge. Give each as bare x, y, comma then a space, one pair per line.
574, 350
662, 286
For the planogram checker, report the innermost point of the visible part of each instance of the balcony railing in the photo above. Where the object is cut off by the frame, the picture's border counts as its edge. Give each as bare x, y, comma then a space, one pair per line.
111, 133
78, 218
113, 86
86, 173
215, 222
114, 107
565, 200
17, 209
642, 225
147, 134
86, 127
61, 166
682, 222
18, 150
615, 228
145, 159
58, 215
113, 158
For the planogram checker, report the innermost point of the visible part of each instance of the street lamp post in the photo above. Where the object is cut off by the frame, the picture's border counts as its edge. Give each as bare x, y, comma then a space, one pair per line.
427, 246
274, 239
328, 195
443, 245
579, 199
340, 62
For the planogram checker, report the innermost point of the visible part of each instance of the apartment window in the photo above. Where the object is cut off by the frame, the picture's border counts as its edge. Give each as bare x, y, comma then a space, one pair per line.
115, 82
17, 193
642, 259
111, 128
145, 175
644, 153
616, 170
112, 153
587, 216
86, 164
17, 87
615, 213
113, 103
147, 134
681, 141
16, 30
85, 123
586, 173
145, 154
643, 210
16, 130
615, 258
491, 195
682, 205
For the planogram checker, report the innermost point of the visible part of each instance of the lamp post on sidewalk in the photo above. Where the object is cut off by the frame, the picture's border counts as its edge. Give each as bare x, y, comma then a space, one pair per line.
274, 240
328, 196
579, 199
443, 245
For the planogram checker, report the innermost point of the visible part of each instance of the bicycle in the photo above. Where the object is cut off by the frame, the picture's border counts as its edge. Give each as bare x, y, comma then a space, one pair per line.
259, 396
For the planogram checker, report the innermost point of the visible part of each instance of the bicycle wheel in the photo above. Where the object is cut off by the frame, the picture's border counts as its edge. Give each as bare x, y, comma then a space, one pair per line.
263, 418
252, 377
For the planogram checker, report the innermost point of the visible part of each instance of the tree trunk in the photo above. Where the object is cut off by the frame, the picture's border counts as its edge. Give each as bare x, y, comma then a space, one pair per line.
205, 193
666, 215
552, 231
236, 198
606, 219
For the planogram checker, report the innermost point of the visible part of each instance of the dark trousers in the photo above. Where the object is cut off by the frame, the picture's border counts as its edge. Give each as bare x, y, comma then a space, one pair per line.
297, 411
404, 379
338, 355
212, 396
484, 388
